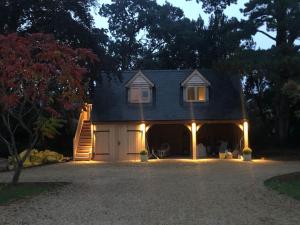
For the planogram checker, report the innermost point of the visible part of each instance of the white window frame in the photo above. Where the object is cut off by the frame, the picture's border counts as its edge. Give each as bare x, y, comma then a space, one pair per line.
141, 100
195, 92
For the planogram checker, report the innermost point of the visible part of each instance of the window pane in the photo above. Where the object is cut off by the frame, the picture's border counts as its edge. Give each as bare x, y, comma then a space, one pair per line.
145, 95
191, 93
139, 95
134, 95
201, 95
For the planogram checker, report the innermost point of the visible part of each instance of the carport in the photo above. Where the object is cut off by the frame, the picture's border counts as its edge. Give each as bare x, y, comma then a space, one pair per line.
176, 137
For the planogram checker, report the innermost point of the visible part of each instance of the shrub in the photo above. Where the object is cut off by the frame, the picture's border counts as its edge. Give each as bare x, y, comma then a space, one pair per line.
247, 151
144, 152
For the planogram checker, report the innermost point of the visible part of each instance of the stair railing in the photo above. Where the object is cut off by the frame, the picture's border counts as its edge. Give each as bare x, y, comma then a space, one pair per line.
84, 115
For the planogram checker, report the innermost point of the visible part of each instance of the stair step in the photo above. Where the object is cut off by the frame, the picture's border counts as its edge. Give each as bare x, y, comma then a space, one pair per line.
82, 159
83, 151
82, 154
84, 147
85, 142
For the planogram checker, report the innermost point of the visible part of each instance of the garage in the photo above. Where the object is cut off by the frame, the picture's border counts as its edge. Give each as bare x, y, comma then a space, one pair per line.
216, 136
117, 142
169, 140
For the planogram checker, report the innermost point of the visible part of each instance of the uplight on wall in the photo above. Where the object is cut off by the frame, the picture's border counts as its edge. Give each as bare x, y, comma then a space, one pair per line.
246, 134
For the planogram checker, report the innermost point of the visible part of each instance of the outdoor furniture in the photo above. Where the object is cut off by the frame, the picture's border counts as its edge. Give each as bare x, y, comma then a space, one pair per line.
164, 150
235, 153
223, 146
201, 151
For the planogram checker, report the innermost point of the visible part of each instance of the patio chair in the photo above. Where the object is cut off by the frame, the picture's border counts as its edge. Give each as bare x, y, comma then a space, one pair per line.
201, 151
223, 146
164, 150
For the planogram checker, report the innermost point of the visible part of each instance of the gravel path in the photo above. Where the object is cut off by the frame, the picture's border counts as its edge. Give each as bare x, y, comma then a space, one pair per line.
166, 192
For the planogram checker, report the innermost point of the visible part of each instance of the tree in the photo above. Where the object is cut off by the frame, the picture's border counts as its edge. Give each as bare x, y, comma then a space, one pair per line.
126, 19
147, 35
215, 5
40, 80
70, 22
283, 18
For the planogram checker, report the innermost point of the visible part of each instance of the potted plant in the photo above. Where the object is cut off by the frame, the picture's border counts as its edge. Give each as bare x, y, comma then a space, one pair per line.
222, 155
247, 152
144, 155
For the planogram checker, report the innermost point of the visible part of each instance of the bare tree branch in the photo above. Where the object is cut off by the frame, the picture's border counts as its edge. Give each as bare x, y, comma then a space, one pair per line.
266, 34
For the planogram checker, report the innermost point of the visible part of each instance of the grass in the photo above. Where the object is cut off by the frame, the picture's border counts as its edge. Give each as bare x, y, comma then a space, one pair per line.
10, 193
288, 184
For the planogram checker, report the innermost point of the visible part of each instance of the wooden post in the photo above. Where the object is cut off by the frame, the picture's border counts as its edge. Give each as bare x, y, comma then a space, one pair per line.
143, 128
194, 140
246, 134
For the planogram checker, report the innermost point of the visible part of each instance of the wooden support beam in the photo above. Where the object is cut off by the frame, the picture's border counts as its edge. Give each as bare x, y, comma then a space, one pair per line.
194, 140
246, 134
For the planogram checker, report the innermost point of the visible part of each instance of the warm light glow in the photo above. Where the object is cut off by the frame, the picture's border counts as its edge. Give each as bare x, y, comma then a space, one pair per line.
194, 140
143, 129
246, 135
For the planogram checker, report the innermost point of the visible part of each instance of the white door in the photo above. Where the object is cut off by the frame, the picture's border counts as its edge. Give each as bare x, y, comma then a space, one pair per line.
118, 142
104, 143
130, 142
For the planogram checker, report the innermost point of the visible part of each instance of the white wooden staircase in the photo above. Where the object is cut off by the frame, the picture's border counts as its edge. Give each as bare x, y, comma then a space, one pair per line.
83, 142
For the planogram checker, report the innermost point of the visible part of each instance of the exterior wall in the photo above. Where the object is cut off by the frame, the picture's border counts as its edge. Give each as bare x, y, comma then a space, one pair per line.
124, 141
118, 142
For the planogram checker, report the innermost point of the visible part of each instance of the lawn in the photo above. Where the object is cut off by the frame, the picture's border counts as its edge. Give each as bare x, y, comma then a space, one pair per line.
10, 193
288, 184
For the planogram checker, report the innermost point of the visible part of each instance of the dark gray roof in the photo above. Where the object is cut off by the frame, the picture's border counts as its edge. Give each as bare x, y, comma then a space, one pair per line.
225, 98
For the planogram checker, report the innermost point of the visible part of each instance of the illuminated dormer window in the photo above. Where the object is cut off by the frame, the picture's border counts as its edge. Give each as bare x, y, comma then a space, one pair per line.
195, 88
139, 89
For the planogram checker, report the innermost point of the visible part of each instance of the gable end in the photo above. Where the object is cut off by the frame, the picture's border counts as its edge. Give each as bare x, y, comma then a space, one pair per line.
195, 79
139, 80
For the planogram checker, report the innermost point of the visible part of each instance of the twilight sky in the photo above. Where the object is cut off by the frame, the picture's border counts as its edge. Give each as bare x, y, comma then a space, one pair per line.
192, 10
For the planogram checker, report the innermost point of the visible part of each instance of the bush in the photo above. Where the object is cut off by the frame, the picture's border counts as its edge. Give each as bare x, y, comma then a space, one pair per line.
144, 152
36, 158
247, 151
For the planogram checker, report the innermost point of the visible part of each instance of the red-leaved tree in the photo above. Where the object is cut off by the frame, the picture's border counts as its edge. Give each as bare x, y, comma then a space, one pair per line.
39, 80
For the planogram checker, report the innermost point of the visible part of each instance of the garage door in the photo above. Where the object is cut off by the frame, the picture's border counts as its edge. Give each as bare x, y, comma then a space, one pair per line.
118, 142
103, 149
130, 142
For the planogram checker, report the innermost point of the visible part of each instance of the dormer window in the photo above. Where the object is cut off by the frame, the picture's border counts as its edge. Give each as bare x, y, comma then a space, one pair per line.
139, 95
195, 93
195, 88
139, 89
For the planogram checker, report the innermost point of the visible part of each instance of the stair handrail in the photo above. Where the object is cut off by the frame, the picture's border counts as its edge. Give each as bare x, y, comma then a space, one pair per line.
83, 116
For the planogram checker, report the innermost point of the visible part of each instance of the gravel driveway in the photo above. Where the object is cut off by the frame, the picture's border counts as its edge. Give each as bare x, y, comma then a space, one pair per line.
166, 192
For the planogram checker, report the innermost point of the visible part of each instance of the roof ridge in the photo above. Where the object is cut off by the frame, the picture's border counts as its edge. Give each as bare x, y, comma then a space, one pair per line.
130, 71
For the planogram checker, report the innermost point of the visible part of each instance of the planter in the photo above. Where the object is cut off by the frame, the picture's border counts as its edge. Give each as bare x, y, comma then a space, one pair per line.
247, 157
144, 158
221, 155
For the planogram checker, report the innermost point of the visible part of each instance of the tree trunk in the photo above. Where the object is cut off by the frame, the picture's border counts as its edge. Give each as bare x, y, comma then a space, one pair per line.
282, 119
17, 173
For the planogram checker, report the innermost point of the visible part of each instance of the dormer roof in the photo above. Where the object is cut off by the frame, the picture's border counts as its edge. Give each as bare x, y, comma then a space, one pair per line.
139, 79
195, 78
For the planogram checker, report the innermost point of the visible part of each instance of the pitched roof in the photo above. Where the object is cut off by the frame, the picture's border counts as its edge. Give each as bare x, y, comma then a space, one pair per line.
225, 98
